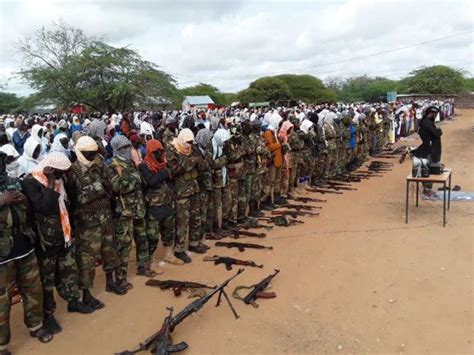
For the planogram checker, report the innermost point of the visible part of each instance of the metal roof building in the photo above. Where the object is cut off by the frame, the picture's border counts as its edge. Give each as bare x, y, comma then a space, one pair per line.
200, 102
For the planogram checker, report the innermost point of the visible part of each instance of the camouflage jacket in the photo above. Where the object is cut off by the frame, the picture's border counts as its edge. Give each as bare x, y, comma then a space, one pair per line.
91, 193
204, 168
158, 191
331, 135
167, 137
235, 152
262, 152
217, 165
127, 189
249, 146
7, 227
184, 171
296, 144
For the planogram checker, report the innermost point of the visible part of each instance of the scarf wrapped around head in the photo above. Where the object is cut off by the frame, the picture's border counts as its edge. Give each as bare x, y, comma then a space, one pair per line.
306, 125
220, 137
85, 144
181, 142
283, 135
203, 138
58, 161
154, 165
118, 143
97, 129
57, 145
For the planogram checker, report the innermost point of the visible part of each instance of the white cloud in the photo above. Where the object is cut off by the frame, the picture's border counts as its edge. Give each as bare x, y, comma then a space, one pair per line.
230, 43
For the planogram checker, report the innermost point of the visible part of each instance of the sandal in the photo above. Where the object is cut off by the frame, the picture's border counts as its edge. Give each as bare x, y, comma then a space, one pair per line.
42, 335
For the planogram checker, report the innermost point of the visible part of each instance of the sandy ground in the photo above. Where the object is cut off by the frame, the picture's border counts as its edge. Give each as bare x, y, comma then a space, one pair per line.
354, 279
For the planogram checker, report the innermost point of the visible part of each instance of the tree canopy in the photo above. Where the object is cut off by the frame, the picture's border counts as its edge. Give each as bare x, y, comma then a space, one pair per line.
66, 67
362, 88
438, 79
9, 102
306, 88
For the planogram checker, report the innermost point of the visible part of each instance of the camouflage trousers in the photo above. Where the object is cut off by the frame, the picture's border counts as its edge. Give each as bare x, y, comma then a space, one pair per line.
164, 227
223, 199
329, 161
57, 266
257, 189
274, 179
238, 203
24, 272
206, 200
285, 180
249, 182
188, 222
126, 229
94, 243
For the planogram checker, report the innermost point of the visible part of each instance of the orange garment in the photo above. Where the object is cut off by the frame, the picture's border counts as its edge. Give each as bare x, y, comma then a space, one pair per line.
154, 165
126, 128
273, 146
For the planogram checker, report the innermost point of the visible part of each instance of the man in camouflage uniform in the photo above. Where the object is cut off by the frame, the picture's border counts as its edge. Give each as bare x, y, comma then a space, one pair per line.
331, 146
234, 152
170, 132
261, 157
296, 143
249, 144
93, 216
202, 150
18, 264
221, 193
159, 201
129, 211
183, 166
54, 251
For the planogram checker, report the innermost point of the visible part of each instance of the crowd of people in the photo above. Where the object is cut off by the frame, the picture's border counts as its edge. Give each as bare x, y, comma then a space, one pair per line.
76, 190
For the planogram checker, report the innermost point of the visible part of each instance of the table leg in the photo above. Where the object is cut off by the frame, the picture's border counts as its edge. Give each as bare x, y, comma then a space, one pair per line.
417, 184
449, 192
406, 203
444, 204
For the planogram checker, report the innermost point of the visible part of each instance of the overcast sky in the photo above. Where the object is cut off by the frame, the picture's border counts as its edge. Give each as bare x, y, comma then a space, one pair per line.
230, 43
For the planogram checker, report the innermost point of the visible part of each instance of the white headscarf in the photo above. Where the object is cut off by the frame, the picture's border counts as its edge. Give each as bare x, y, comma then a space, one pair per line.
220, 137
26, 160
58, 147
14, 169
85, 143
306, 125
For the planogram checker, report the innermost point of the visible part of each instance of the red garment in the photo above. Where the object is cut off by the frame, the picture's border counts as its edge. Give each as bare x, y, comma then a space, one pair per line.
126, 128
154, 165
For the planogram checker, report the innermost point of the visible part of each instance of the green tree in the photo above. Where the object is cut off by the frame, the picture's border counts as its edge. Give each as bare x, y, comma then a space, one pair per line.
307, 88
65, 66
205, 89
265, 89
468, 84
9, 102
438, 79
363, 88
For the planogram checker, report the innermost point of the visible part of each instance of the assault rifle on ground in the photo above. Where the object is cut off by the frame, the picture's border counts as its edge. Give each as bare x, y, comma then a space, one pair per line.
321, 191
228, 262
176, 286
330, 186
282, 221
300, 207
308, 199
235, 234
257, 290
241, 246
293, 214
160, 342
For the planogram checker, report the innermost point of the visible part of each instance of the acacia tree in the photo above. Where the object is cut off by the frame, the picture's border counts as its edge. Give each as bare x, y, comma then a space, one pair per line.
65, 66
438, 79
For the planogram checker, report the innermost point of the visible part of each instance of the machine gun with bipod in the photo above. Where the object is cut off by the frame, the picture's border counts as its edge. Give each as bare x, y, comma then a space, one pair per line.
160, 342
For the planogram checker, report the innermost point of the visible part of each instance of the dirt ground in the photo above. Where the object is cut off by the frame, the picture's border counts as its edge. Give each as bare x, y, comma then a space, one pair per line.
355, 279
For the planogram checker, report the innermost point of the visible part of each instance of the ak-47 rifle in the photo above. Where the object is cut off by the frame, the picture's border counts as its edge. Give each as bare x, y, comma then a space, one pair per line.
176, 286
338, 187
300, 207
308, 199
228, 262
258, 290
293, 214
235, 234
241, 246
159, 342
282, 220
321, 191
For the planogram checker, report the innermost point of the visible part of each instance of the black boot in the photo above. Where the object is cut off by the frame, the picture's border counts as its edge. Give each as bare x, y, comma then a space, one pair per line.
183, 256
51, 324
113, 287
76, 306
91, 301
200, 249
